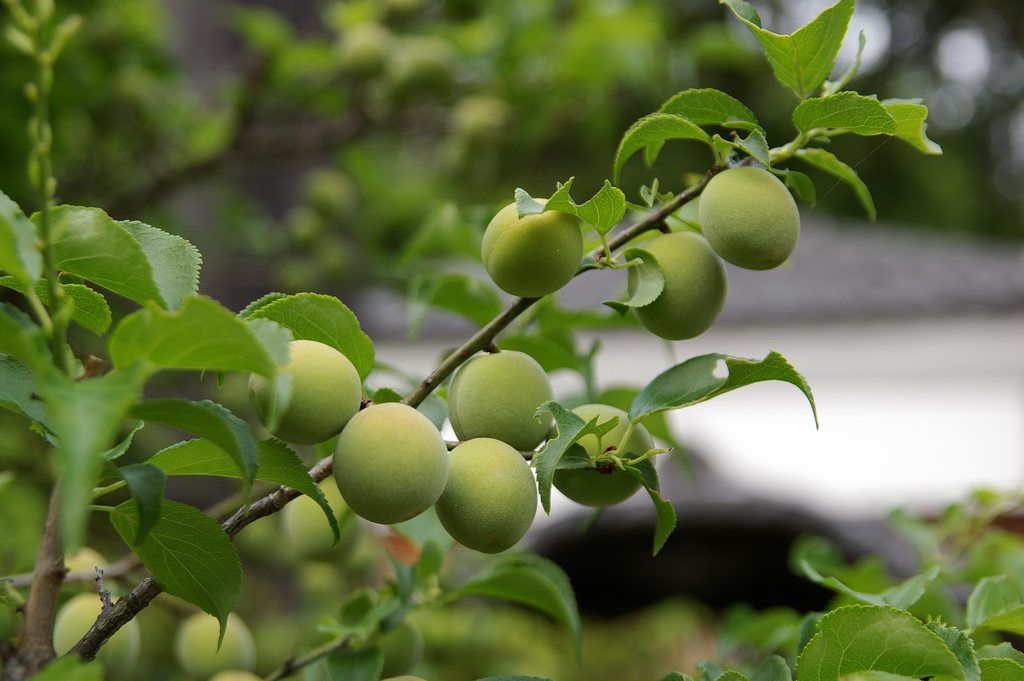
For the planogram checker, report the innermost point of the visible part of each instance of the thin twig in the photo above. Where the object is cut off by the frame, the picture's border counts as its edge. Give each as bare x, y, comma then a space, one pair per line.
294, 664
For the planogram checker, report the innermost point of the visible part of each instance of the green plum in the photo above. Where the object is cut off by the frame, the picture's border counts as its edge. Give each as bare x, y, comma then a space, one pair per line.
391, 463
120, 654
364, 49
491, 497
402, 648
195, 646
307, 531
533, 255
496, 395
326, 392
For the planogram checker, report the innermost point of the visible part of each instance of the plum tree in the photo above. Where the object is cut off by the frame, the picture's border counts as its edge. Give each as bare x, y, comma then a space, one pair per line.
695, 287
75, 618
496, 395
402, 647
235, 675
307, 531
195, 646
326, 392
364, 49
391, 463
491, 496
603, 485
749, 218
532, 255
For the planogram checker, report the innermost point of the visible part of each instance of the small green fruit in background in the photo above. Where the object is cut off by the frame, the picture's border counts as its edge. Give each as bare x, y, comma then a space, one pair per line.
603, 486
195, 646
85, 559
121, 652
364, 49
534, 255
480, 117
420, 64
330, 192
402, 648
749, 218
391, 463
326, 392
236, 675
491, 497
695, 287
309, 534
496, 395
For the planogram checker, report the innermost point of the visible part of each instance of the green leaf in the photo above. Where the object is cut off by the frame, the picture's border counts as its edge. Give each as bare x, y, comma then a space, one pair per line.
312, 316
355, 665
1001, 669
847, 111
188, 554
654, 129
645, 281
1001, 650
801, 185
911, 125
146, 483
17, 389
532, 581
90, 307
709, 670
84, 417
278, 465
865, 638
961, 646
119, 450
827, 162
772, 669
701, 378
18, 253
202, 335
551, 351
707, 106
211, 421
262, 301
175, 262
665, 512
996, 604
801, 61
471, 298
570, 429
91, 245
604, 210
754, 145
70, 669
852, 69
21, 338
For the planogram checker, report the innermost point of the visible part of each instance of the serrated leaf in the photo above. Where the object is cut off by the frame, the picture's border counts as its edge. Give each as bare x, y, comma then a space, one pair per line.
709, 670
866, 638
961, 646
654, 129
772, 669
754, 145
312, 316
665, 512
532, 581
119, 450
1001, 669
17, 389
211, 421
93, 246
803, 60
455, 292
355, 665
702, 378
996, 604
707, 106
201, 335
278, 465
84, 417
188, 554
847, 111
146, 483
21, 338
603, 210
90, 310
18, 253
911, 124
570, 428
827, 162
1000, 650
70, 669
801, 185
263, 300
645, 281
175, 262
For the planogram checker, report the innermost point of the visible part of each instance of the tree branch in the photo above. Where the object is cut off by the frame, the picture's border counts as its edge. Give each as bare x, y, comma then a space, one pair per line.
294, 664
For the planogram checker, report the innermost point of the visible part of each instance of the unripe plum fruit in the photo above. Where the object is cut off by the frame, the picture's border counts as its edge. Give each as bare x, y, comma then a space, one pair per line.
391, 463
402, 648
419, 64
309, 534
195, 646
364, 49
496, 395
749, 218
491, 497
326, 392
85, 559
118, 656
331, 192
603, 485
695, 287
236, 675
533, 255
480, 117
